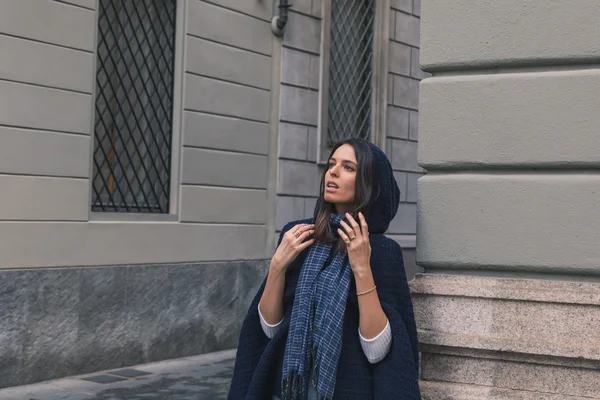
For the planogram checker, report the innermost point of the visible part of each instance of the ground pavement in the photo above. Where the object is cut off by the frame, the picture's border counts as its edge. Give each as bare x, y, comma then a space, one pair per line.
192, 378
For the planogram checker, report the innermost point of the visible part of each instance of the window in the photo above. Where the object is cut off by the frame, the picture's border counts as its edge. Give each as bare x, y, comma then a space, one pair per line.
353, 91
350, 70
134, 106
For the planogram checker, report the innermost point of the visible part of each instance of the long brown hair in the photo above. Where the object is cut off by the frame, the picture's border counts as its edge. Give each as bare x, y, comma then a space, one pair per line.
364, 191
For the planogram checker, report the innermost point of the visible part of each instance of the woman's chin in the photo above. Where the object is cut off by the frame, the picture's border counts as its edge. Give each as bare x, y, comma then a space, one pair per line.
330, 198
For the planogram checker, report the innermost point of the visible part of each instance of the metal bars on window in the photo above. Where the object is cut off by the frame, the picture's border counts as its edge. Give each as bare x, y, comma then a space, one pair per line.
350, 70
134, 106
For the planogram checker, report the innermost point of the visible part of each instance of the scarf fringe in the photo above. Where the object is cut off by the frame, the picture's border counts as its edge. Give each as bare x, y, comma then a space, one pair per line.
315, 367
293, 387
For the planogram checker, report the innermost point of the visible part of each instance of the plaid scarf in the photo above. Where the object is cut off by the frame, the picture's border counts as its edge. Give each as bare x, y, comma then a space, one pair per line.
315, 336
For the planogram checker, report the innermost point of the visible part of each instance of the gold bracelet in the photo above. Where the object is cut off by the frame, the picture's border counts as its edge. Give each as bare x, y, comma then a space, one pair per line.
368, 291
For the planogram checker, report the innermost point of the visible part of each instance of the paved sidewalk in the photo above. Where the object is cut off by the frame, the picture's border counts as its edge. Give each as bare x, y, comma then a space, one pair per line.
192, 378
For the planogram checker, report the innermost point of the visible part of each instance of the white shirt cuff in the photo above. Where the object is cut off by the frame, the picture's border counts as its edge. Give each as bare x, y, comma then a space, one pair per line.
377, 348
269, 330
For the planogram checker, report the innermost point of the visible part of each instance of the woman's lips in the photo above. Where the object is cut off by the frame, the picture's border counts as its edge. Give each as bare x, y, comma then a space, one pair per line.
330, 188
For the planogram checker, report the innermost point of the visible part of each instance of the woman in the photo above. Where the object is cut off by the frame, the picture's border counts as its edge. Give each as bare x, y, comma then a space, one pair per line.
334, 317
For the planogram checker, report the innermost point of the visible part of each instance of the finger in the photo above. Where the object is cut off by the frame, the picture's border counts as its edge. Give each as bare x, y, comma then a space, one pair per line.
363, 223
300, 228
305, 234
355, 226
349, 230
344, 237
353, 223
306, 244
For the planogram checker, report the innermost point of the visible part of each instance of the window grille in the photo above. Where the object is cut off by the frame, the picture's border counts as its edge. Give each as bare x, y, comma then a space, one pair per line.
134, 106
350, 70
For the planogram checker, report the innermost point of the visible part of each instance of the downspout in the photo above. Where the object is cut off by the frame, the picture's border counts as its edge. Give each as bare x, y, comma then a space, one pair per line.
279, 21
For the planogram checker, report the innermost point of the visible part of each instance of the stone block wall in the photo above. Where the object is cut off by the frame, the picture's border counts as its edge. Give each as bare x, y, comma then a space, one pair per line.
60, 322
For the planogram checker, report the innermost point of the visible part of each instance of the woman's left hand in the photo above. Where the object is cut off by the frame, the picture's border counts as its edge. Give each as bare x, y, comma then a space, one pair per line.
357, 242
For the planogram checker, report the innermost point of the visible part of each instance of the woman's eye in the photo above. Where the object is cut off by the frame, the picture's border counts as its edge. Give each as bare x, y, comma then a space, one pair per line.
331, 165
349, 168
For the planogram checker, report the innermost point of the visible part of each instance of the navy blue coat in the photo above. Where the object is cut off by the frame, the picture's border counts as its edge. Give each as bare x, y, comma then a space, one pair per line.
259, 360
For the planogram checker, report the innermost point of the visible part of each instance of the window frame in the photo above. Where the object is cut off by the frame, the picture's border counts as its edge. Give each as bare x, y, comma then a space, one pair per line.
381, 38
176, 129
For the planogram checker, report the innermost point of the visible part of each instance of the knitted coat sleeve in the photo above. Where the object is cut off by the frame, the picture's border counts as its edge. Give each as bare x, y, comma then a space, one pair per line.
396, 376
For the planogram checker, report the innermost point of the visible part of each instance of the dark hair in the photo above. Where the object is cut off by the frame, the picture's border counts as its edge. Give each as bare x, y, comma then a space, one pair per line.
364, 191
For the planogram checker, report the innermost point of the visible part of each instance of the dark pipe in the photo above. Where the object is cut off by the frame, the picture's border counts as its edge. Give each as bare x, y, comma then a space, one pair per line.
278, 23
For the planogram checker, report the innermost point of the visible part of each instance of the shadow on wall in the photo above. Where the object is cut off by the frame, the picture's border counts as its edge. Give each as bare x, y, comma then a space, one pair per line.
410, 263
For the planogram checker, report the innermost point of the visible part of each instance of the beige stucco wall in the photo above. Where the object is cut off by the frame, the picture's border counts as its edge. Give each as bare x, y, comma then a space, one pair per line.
511, 150
244, 140
222, 207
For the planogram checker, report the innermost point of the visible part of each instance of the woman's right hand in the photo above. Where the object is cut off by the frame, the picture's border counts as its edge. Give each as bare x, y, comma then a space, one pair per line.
292, 244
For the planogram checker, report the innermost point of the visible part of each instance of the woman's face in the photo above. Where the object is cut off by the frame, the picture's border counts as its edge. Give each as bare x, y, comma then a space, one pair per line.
340, 179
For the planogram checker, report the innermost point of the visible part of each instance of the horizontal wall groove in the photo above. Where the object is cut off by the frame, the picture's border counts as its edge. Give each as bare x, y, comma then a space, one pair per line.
435, 170
224, 223
225, 151
297, 123
520, 269
515, 66
402, 139
45, 176
404, 76
221, 186
508, 357
297, 196
134, 265
503, 274
497, 296
402, 108
404, 43
169, 222
124, 222
207, 186
228, 45
304, 161
26, 128
292, 85
45, 86
187, 146
73, 5
405, 108
216, 4
226, 116
228, 81
410, 14
301, 49
45, 42
409, 171
37, 221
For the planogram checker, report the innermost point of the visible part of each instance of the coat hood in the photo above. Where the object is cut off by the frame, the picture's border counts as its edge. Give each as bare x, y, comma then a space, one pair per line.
384, 204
